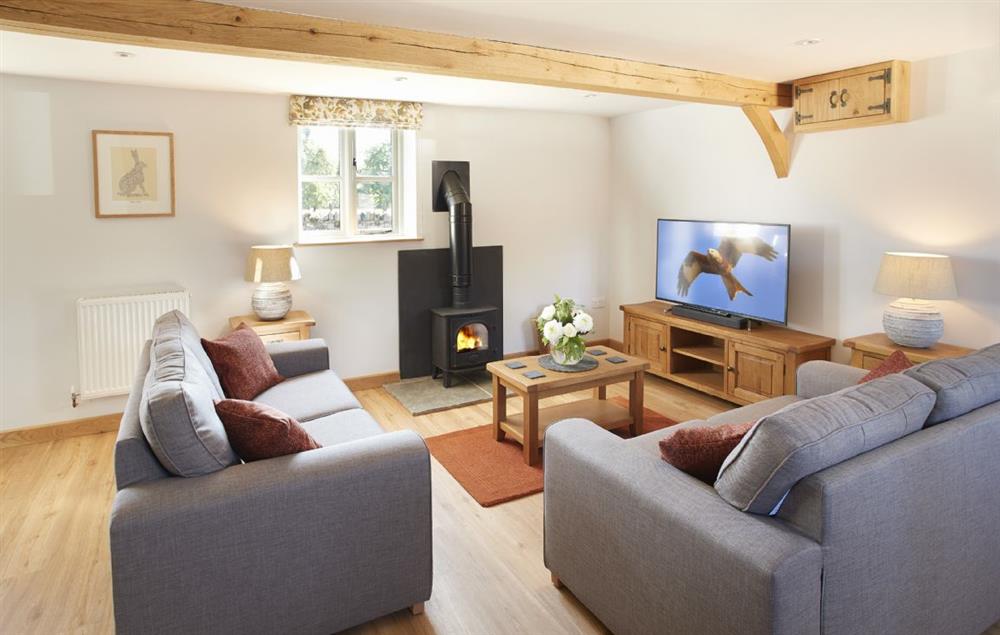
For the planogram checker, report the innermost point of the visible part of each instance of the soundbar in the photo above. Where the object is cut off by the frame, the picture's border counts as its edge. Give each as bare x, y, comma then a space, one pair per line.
712, 317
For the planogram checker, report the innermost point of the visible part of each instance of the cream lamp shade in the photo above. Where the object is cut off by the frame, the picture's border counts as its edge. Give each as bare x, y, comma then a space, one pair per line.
913, 275
272, 263
915, 278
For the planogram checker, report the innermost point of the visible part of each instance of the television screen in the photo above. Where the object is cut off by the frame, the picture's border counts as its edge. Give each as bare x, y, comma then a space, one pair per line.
738, 268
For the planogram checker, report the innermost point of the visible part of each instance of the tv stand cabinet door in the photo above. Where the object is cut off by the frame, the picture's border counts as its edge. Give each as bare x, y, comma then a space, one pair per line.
754, 373
647, 340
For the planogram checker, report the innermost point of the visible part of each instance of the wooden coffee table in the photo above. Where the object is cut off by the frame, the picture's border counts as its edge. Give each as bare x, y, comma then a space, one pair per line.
528, 428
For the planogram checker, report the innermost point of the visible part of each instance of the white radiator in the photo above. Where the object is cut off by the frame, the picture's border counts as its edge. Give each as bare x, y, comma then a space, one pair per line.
110, 335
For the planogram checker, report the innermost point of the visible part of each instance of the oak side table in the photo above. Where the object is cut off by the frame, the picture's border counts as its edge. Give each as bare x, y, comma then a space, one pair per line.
292, 327
868, 351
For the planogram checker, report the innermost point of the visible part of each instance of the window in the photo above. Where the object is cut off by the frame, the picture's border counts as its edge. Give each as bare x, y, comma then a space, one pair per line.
351, 184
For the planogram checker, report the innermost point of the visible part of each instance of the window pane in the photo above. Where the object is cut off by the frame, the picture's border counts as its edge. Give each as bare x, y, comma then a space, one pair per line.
319, 148
373, 151
321, 205
374, 204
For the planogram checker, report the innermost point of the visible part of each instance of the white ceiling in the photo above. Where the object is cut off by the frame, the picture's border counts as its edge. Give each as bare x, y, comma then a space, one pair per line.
43, 56
750, 39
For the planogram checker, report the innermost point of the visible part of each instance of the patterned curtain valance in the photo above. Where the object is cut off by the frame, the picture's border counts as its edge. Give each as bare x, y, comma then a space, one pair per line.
354, 113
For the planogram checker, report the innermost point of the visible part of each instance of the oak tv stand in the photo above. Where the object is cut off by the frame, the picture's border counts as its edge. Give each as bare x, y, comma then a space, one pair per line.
742, 366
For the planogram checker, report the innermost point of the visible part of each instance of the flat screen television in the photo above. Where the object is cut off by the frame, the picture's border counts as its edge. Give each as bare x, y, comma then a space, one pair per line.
735, 268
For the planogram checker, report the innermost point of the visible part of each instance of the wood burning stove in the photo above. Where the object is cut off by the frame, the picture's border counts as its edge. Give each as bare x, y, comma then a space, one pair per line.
463, 337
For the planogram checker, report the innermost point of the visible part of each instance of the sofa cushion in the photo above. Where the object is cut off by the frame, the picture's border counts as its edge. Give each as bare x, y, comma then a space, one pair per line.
814, 434
700, 451
177, 412
310, 396
754, 411
242, 363
895, 363
259, 432
349, 425
962, 384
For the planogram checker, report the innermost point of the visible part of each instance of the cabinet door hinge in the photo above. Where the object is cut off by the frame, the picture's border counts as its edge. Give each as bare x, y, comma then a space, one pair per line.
799, 90
885, 76
799, 117
885, 106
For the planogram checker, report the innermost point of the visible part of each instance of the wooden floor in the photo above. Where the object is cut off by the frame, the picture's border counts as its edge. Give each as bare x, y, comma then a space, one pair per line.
488, 572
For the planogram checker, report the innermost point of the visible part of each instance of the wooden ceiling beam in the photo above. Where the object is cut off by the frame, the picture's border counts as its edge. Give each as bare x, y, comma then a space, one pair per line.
208, 27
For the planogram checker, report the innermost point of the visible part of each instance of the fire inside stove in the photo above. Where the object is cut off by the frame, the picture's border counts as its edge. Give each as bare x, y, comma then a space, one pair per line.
471, 337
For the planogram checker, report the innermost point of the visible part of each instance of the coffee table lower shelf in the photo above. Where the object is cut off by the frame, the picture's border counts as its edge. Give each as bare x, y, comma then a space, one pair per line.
602, 412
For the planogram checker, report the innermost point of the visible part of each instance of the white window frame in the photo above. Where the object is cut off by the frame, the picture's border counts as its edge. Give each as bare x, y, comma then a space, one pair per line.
349, 180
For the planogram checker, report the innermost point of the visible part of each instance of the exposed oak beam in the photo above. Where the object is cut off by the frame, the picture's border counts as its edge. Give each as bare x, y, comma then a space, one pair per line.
203, 26
774, 139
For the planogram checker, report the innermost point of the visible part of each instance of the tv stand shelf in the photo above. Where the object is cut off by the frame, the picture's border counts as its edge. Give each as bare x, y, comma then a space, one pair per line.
742, 366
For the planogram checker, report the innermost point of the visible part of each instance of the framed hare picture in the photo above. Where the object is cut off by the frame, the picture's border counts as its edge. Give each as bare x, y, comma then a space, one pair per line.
133, 174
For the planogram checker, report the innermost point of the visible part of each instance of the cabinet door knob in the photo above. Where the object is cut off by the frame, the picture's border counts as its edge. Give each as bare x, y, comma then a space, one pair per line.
663, 349
843, 97
731, 369
833, 99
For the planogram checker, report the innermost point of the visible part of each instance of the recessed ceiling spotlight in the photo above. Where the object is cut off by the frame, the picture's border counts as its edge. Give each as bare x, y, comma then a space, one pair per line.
810, 41
590, 95
401, 78
124, 54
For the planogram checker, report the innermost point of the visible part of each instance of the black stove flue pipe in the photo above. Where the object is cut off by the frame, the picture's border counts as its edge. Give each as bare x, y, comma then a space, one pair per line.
451, 194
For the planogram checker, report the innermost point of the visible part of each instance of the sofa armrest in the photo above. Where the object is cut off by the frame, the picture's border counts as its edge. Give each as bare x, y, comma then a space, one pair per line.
311, 542
299, 357
624, 530
818, 378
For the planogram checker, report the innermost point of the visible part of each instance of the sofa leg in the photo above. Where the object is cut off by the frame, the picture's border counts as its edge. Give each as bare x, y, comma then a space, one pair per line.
417, 609
556, 582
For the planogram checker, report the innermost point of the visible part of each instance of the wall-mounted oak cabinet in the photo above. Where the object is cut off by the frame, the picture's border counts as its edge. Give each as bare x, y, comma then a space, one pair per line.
864, 96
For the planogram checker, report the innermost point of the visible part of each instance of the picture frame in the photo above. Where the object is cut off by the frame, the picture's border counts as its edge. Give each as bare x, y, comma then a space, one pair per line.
133, 174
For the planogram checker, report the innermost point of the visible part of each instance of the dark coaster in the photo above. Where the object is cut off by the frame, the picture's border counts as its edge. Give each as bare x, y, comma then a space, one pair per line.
617, 360
533, 374
596, 352
514, 365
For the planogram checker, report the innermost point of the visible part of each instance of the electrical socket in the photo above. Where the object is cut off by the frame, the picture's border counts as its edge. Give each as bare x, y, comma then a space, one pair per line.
598, 302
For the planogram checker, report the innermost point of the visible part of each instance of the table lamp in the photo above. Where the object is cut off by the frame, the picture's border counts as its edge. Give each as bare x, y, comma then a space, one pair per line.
915, 278
271, 266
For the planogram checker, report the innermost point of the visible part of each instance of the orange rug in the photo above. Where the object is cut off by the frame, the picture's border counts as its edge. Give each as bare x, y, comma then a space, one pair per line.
494, 473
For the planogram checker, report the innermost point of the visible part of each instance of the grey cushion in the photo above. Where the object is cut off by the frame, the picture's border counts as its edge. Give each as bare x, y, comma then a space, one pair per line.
753, 411
175, 320
962, 384
814, 434
310, 396
177, 409
341, 427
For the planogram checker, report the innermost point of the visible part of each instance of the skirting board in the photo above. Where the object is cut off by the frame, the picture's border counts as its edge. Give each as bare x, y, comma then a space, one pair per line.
60, 430
109, 423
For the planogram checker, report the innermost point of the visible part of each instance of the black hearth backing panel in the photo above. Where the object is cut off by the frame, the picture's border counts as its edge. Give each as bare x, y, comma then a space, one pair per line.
424, 284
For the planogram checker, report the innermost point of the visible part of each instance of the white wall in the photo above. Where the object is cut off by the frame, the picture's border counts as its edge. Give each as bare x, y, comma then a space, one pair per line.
540, 184
932, 184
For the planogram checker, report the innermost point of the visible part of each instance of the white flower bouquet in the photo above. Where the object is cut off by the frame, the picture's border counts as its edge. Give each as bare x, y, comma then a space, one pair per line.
562, 325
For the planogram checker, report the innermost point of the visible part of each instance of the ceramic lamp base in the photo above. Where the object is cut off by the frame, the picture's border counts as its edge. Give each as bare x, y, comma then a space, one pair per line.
913, 323
271, 301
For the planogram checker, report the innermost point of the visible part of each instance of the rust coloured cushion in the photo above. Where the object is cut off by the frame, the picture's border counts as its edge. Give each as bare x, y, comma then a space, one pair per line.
895, 363
260, 432
701, 451
241, 361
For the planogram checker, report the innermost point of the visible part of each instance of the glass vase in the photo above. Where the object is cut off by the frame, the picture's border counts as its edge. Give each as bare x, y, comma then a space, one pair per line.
566, 357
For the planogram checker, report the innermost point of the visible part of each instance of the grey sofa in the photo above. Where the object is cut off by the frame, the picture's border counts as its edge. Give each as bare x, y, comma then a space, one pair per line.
900, 539
314, 542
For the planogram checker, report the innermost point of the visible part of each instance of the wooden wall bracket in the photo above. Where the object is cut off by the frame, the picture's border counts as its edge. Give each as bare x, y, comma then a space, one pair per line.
775, 142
